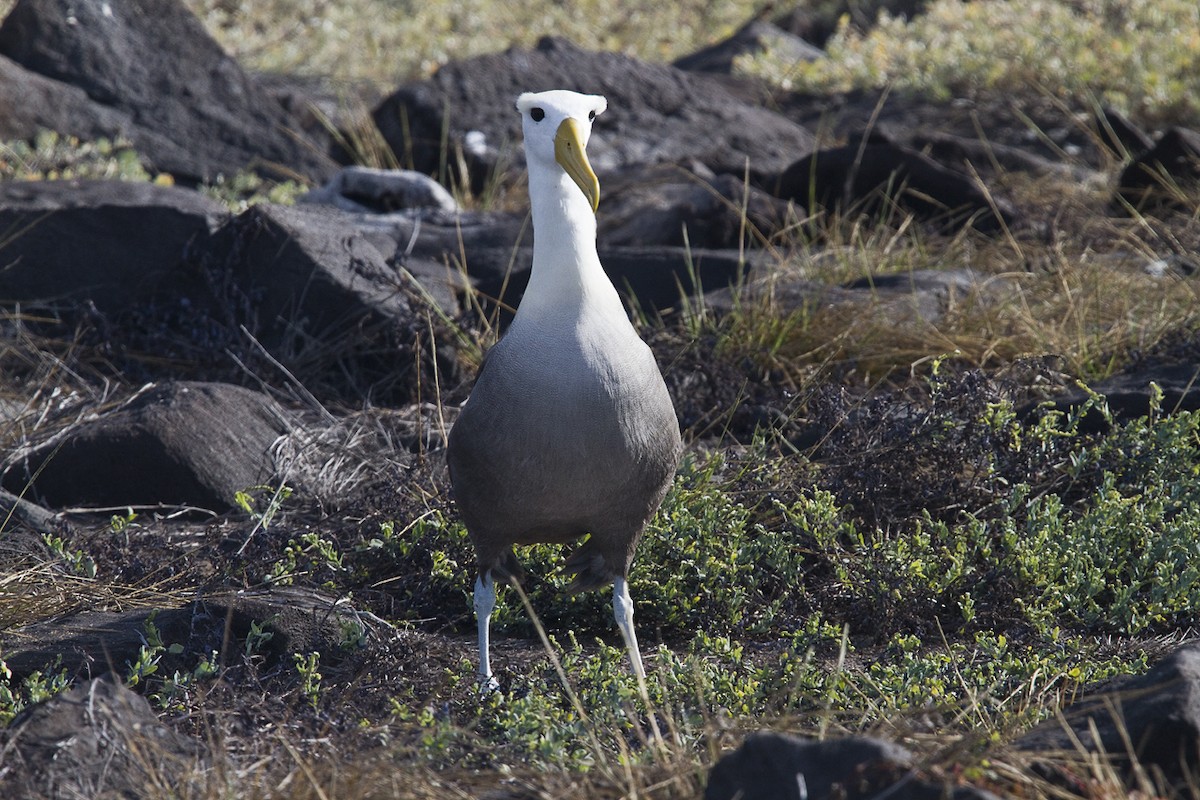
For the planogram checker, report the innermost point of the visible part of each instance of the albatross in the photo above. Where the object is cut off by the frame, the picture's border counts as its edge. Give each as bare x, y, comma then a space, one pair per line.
569, 431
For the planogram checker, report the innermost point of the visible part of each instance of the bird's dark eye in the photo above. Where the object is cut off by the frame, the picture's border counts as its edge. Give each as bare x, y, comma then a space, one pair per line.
591, 116
537, 114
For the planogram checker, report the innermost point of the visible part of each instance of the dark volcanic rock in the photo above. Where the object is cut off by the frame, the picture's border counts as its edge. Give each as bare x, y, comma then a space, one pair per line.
308, 272
656, 277
367, 190
776, 766
857, 177
670, 207
494, 252
1157, 176
191, 110
968, 155
991, 134
755, 36
166, 281
21, 513
927, 295
97, 739
655, 114
1119, 134
326, 297
90, 642
1157, 714
176, 444
106, 243
903, 302
1128, 394
32, 102
650, 278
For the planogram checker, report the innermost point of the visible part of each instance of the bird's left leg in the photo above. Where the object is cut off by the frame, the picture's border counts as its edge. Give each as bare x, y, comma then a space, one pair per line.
485, 603
623, 611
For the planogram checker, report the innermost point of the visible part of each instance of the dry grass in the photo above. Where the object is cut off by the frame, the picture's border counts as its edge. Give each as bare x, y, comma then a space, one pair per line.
384, 42
1088, 292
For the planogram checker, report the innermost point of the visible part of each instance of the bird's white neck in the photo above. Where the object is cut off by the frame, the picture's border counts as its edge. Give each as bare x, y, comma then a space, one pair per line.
566, 272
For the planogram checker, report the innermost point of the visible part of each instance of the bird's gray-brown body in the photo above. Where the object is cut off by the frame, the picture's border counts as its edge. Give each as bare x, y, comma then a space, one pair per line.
569, 431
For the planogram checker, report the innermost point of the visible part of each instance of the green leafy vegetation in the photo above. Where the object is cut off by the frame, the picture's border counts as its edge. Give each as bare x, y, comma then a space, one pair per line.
307, 555
1142, 56
985, 619
307, 665
245, 189
52, 156
75, 561
35, 687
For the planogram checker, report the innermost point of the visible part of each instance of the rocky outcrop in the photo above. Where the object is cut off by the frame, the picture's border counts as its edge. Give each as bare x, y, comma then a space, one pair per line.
868, 176
1164, 174
380, 191
99, 739
184, 444
656, 114
1152, 720
777, 766
104, 244
151, 72
680, 208
90, 642
754, 37
33, 102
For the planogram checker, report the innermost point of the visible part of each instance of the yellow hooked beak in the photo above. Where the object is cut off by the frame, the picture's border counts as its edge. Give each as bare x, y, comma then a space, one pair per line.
570, 155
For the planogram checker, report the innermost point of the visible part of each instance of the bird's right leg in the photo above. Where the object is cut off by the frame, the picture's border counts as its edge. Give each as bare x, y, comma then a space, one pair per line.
485, 603
623, 612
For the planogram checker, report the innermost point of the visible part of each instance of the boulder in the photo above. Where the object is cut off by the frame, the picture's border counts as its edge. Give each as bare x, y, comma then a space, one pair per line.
649, 278
91, 642
756, 36
32, 102
19, 513
668, 206
1153, 718
656, 114
777, 766
1128, 394
1119, 134
1163, 174
367, 190
866, 176
307, 272
98, 739
926, 296
325, 293
492, 252
190, 109
328, 299
899, 302
976, 156
660, 278
72, 242
177, 444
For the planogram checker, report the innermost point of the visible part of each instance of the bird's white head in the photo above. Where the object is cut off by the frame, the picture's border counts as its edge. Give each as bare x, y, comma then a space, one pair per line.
557, 125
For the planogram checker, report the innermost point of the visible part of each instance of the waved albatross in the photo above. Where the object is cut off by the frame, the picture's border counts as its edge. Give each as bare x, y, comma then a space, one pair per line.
569, 430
